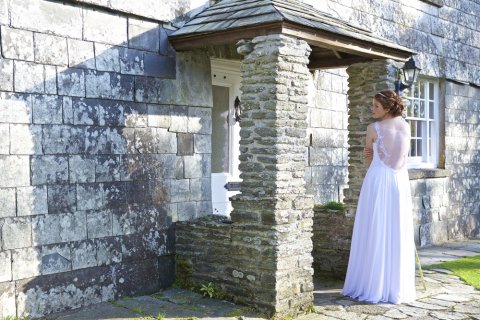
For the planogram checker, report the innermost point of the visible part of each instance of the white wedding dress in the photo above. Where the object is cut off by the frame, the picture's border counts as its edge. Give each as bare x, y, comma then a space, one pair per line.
382, 257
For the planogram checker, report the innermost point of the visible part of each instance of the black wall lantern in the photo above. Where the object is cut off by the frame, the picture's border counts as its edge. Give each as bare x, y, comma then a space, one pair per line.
408, 73
237, 110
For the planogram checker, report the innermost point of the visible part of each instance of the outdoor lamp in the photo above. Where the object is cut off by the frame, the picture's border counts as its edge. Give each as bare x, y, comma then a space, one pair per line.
409, 73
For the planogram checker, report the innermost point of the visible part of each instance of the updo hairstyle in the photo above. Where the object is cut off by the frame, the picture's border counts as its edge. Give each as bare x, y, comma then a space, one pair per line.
391, 102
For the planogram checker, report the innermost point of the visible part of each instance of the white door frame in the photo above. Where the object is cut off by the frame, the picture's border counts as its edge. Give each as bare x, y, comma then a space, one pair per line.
226, 73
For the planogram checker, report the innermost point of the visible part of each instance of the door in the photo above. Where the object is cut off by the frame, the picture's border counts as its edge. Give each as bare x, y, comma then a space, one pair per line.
225, 134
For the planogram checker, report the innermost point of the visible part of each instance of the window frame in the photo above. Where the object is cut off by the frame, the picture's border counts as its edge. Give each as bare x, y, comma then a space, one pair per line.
430, 140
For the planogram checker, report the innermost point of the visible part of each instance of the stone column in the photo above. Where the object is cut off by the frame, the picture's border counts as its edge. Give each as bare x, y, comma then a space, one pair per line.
273, 214
364, 80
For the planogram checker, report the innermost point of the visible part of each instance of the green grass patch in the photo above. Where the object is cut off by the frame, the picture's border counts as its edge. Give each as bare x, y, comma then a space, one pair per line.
116, 304
160, 316
332, 205
237, 313
138, 310
157, 295
193, 308
180, 296
467, 269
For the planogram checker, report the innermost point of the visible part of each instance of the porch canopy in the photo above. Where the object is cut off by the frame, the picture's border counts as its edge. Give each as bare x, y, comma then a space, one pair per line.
334, 42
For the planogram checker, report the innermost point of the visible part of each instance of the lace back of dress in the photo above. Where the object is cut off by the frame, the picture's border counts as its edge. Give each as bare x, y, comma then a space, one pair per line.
393, 141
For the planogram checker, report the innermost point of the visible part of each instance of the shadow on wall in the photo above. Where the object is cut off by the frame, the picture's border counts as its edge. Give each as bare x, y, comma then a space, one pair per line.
103, 148
462, 159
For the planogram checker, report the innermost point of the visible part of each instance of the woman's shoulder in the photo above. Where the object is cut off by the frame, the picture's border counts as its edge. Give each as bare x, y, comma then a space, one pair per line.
400, 122
371, 126
372, 132
405, 123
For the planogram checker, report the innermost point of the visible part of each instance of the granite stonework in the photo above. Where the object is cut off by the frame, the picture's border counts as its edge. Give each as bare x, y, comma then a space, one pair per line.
462, 159
105, 142
446, 204
333, 228
263, 257
327, 169
364, 80
445, 35
332, 236
103, 131
178, 10
431, 210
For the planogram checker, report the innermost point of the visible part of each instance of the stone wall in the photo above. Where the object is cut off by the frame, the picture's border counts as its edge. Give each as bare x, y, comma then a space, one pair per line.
445, 202
165, 10
447, 38
462, 159
104, 143
430, 200
326, 173
268, 262
333, 228
332, 236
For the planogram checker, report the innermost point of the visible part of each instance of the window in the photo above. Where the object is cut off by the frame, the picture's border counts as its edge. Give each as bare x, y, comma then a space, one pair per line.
421, 103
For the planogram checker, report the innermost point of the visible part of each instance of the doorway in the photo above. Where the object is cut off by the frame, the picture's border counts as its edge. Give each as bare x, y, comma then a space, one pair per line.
225, 134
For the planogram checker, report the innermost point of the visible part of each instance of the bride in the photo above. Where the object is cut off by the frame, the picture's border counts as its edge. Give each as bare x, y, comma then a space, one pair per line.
381, 267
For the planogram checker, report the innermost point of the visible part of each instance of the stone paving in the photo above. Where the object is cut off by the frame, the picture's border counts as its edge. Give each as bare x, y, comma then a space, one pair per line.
446, 298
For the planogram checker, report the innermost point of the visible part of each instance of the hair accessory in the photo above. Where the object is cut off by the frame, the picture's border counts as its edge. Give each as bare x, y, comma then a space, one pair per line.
381, 94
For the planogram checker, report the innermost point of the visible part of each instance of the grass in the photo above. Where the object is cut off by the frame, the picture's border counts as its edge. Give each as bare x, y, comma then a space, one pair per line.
160, 316
468, 269
137, 310
157, 295
116, 304
333, 205
237, 313
192, 308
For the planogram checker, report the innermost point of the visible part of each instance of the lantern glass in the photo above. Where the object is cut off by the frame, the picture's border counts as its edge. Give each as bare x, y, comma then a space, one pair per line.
409, 75
409, 72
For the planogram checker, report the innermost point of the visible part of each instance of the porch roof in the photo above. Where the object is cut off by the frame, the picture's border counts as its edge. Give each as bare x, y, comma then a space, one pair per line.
334, 42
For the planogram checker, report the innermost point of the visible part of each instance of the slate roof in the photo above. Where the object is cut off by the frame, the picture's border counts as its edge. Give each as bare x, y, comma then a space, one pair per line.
237, 14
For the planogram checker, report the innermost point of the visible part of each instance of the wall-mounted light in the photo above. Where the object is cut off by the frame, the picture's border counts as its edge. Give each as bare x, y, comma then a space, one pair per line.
407, 75
237, 110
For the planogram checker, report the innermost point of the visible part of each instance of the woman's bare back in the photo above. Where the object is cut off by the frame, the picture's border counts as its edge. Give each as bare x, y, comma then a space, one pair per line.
393, 141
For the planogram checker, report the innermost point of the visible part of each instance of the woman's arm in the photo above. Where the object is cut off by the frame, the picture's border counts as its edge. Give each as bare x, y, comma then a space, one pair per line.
368, 150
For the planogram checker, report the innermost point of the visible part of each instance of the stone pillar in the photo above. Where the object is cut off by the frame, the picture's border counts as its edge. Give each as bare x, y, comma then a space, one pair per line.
364, 80
273, 212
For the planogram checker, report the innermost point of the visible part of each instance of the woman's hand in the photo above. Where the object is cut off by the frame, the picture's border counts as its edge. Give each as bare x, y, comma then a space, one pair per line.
368, 154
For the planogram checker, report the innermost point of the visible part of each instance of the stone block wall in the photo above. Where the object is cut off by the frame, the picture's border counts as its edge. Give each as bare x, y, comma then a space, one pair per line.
104, 143
213, 250
263, 258
176, 10
462, 159
332, 236
326, 173
446, 36
430, 200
